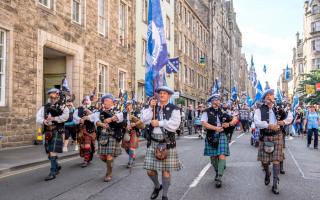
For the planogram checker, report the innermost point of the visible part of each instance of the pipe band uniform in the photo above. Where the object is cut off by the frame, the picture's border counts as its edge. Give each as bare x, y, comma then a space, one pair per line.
52, 116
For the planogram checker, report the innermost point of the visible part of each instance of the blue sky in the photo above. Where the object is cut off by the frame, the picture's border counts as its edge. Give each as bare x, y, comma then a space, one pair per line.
269, 30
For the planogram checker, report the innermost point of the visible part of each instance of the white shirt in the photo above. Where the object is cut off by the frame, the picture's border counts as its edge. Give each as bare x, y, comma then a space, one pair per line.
272, 119
204, 118
95, 117
59, 119
170, 125
76, 117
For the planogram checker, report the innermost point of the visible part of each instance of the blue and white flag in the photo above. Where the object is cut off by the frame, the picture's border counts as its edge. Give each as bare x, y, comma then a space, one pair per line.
295, 103
249, 101
157, 53
265, 69
216, 87
234, 93
279, 96
287, 72
259, 92
173, 65
65, 85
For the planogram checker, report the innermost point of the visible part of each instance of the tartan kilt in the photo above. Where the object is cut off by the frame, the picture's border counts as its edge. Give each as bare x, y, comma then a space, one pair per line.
55, 144
111, 148
87, 138
172, 163
223, 147
277, 155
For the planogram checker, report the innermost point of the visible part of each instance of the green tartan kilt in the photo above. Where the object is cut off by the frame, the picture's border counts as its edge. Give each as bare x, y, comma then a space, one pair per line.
55, 144
277, 155
223, 147
172, 163
111, 148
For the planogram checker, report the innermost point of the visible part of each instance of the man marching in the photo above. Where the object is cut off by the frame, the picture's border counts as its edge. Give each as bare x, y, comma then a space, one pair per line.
271, 142
86, 130
163, 120
216, 142
52, 116
109, 123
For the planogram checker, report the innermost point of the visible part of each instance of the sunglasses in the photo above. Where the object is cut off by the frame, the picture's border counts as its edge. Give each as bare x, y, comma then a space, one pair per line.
53, 98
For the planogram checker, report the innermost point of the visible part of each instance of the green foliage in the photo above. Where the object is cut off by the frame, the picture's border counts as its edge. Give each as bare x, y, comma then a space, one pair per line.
309, 79
181, 101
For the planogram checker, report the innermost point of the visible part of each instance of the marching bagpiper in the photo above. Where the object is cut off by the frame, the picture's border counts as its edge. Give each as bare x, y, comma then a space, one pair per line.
268, 119
110, 132
86, 135
216, 142
52, 116
130, 140
163, 120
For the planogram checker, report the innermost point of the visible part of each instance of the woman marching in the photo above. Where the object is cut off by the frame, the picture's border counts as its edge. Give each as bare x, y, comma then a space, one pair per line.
130, 140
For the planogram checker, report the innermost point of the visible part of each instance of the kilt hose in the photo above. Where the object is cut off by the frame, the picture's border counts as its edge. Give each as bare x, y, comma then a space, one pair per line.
277, 155
55, 144
171, 163
223, 147
111, 148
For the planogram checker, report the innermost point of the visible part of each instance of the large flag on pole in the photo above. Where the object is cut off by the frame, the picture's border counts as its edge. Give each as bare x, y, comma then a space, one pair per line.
287, 73
216, 87
259, 92
249, 101
157, 54
279, 96
173, 65
265, 69
234, 93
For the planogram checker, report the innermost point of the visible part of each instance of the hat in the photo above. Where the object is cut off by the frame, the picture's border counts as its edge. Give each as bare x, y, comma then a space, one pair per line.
214, 97
166, 89
86, 98
107, 96
268, 91
53, 90
129, 102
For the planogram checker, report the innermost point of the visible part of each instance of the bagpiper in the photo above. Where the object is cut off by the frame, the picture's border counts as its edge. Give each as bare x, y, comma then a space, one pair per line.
86, 130
268, 119
130, 140
162, 121
110, 133
52, 116
216, 142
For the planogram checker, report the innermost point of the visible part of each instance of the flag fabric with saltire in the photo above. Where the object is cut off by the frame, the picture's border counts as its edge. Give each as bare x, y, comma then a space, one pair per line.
287, 73
234, 93
65, 85
173, 65
259, 92
157, 53
279, 96
249, 101
295, 103
215, 87
265, 69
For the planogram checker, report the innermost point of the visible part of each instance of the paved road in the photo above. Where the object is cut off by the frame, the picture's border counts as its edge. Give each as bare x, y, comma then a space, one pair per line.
243, 178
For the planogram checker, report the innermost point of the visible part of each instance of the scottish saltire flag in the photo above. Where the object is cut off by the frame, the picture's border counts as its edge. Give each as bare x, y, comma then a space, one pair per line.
157, 53
265, 69
295, 103
249, 101
259, 92
65, 85
287, 73
216, 87
279, 97
234, 93
173, 65
253, 74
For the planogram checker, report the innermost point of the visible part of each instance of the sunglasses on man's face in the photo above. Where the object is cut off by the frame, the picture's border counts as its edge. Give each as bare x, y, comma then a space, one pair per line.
53, 98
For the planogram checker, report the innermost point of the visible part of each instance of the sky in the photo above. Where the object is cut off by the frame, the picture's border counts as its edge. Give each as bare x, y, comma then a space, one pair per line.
269, 30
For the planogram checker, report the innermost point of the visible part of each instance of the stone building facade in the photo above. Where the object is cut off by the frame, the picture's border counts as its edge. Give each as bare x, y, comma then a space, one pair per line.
91, 43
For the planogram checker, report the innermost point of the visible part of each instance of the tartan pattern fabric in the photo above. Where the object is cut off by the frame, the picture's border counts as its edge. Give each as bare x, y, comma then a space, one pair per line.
172, 163
55, 144
112, 148
87, 138
277, 155
133, 143
223, 147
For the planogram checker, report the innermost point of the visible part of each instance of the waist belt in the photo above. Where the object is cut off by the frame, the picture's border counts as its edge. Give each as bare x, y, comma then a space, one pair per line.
170, 144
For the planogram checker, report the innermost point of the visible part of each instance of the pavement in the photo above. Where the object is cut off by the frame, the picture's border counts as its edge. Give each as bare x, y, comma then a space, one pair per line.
243, 179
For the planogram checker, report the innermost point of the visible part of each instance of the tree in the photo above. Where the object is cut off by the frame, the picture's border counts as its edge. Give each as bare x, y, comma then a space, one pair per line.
309, 79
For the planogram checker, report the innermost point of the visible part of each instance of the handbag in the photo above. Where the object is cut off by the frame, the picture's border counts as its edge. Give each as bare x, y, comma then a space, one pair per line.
161, 152
104, 139
268, 146
48, 136
212, 140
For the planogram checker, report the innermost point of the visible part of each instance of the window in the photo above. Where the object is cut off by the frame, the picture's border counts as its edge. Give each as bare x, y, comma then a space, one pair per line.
76, 11
145, 10
185, 74
301, 68
2, 66
144, 51
122, 80
316, 63
179, 9
187, 47
101, 17
179, 41
315, 9
190, 75
185, 15
168, 30
102, 80
123, 24
315, 26
316, 45
199, 80
189, 19
193, 25
184, 44
46, 3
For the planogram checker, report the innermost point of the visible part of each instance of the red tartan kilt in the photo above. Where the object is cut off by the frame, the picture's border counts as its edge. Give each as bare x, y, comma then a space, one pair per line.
87, 138
133, 143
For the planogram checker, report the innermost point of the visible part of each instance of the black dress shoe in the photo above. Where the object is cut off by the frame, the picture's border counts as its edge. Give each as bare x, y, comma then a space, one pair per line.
275, 190
267, 179
164, 198
58, 170
282, 172
155, 192
50, 177
219, 182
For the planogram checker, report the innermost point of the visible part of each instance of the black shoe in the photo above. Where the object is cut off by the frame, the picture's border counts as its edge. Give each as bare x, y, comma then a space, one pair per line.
58, 170
164, 198
50, 177
155, 192
275, 190
282, 172
219, 182
267, 179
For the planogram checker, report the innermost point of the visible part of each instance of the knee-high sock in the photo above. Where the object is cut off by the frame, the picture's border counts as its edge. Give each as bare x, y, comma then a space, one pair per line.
214, 162
109, 167
54, 164
266, 168
221, 166
276, 171
155, 180
281, 166
166, 182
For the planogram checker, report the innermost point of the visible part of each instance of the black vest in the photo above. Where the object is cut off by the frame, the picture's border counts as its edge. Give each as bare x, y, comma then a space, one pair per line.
54, 111
167, 112
212, 117
279, 113
90, 128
